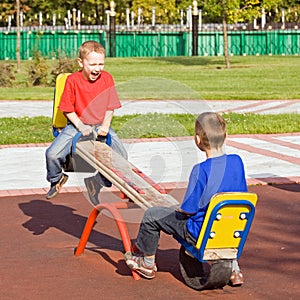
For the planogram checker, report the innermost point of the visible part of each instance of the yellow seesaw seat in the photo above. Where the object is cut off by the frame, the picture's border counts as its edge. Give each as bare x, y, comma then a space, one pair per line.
225, 227
221, 240
59, 120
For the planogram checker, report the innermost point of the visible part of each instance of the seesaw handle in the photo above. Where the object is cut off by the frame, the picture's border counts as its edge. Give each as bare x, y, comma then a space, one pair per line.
105, 139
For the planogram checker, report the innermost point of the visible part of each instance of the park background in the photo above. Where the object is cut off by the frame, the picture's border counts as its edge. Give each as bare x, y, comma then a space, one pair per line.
150, 28
164, 50
39, 236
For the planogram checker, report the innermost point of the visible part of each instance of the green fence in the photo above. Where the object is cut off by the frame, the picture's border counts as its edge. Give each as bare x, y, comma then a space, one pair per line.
277, 42
53, 44
152, 44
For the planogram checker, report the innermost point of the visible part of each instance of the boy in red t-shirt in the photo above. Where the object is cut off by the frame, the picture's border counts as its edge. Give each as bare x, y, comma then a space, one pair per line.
88, 101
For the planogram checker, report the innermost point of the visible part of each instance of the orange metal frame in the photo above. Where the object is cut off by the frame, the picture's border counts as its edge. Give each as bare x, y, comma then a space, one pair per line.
113, 209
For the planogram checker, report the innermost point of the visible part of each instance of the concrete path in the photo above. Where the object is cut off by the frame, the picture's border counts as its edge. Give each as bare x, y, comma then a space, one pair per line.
267, 158
44, 108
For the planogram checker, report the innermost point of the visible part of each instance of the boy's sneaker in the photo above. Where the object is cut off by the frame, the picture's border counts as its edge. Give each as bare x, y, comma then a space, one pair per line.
93, 188
56, 186
236, 278
136, 263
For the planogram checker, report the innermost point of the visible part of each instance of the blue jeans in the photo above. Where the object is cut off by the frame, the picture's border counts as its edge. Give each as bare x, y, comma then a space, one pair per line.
61, 147
169, 221
157, 219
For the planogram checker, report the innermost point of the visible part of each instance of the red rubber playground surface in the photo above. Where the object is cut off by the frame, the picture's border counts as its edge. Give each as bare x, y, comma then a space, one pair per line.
38, 238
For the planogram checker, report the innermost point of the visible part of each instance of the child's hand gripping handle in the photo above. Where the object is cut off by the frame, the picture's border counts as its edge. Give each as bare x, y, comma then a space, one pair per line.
105, 139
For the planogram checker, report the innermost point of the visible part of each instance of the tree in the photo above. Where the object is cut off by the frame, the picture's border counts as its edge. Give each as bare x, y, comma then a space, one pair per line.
166, 11
6, 8
230, 12
18, 37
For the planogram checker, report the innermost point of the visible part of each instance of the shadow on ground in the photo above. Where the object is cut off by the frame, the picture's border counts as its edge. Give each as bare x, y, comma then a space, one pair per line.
38, 239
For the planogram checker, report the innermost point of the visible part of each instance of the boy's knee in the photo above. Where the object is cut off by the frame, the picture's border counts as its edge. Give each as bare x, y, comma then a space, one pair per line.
50, 154
117, 146
151, 211
158, 213
152, 214
148, 214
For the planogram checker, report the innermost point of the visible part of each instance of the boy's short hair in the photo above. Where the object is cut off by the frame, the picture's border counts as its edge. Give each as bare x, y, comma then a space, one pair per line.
90, 46
211, 128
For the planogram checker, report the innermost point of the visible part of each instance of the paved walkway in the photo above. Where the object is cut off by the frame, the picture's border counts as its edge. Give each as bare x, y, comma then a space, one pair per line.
267, 158
44, 108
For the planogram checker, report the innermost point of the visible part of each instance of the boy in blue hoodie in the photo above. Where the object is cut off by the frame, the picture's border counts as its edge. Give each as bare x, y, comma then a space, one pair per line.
220, 172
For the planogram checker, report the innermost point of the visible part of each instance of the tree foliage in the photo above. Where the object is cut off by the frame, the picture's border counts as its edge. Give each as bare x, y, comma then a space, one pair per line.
167, 12
242, 11
232, 11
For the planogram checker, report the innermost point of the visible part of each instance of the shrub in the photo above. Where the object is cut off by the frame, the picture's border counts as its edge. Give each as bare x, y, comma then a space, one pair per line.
6, 75
64, 65
38, 70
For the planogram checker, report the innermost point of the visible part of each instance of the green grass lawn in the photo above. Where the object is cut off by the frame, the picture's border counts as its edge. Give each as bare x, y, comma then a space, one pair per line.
38, 129
205, 78
250, 78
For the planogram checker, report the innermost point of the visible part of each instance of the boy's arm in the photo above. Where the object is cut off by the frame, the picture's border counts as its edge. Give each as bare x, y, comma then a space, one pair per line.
104, 127
83, 128
191, 201
184, 212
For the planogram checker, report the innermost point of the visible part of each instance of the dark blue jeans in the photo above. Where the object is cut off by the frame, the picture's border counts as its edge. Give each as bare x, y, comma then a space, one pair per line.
157, 219
62, 146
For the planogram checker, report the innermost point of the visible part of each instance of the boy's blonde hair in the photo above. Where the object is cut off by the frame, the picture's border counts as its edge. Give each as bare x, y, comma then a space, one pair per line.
211, 128
90, 46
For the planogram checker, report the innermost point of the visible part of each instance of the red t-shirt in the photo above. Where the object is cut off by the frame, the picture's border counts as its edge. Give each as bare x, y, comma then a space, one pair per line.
89, 100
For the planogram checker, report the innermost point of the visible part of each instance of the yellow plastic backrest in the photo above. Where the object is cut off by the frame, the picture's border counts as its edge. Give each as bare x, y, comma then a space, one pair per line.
230, 221
59, 120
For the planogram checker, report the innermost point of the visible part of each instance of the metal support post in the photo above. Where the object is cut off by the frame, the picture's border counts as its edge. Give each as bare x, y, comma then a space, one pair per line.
112, 30
195, 24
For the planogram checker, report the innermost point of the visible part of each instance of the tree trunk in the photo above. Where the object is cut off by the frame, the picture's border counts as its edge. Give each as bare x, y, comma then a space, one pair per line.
18, 38
224, 23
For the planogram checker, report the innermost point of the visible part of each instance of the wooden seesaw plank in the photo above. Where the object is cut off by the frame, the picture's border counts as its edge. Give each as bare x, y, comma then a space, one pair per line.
122, 174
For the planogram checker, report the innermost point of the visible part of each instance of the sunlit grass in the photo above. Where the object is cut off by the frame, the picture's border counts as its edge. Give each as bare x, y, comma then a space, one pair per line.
206, 78
39, 130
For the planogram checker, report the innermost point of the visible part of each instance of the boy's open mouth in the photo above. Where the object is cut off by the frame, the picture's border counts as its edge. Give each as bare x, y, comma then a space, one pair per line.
95, 74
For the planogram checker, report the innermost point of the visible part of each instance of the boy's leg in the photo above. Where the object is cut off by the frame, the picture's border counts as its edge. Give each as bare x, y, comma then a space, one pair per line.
55, 157
155, 220
144, 265
237, 277
116, 144
95, 183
